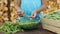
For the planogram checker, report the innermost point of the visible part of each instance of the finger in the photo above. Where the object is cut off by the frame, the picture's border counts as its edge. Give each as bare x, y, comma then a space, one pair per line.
29, 16
34, 15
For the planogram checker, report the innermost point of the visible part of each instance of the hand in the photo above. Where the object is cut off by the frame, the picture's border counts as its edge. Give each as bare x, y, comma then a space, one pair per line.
33, 15
19, 11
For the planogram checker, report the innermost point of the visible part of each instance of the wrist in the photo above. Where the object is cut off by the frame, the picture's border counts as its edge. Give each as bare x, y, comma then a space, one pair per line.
17, 7
35, 11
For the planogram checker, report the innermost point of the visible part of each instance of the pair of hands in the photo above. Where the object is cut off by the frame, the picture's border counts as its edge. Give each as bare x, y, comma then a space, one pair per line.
21, 13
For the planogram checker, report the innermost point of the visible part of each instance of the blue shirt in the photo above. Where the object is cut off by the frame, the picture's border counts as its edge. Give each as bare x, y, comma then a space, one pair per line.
28, 6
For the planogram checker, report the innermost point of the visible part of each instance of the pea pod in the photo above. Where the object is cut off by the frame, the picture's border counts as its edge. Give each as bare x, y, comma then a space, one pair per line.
28, 24
55, 15
10, 27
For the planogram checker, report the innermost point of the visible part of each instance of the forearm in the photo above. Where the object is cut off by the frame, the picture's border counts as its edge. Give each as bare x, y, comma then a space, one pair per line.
43, 7
18, 2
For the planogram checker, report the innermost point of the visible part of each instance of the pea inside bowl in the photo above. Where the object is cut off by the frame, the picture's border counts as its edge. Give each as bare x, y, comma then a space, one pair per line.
28, 24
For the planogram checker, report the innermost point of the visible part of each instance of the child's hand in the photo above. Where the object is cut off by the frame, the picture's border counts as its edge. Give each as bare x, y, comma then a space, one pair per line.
19, 11
33, 15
